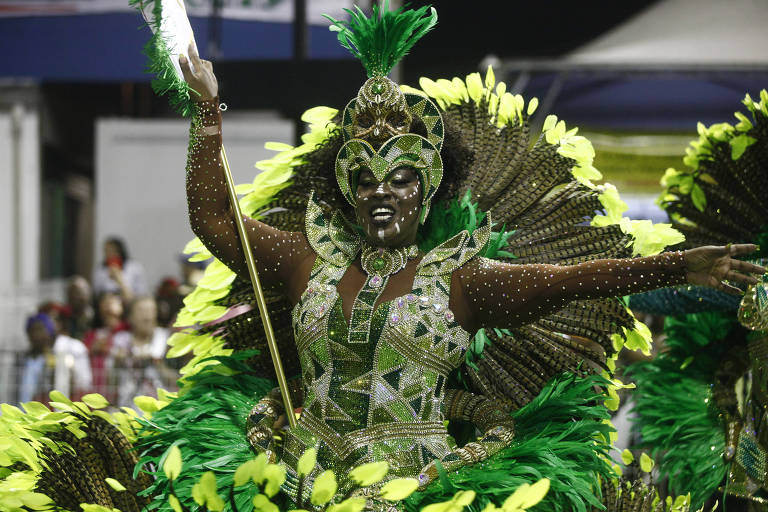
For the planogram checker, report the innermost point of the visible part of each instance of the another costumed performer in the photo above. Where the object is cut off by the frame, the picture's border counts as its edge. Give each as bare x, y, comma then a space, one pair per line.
702, 404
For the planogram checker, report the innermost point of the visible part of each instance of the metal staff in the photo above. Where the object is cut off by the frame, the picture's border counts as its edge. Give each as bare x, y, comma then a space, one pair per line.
258, 292
173, 35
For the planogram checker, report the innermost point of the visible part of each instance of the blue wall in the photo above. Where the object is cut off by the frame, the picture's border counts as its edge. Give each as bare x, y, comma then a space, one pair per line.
669, 101
107, 47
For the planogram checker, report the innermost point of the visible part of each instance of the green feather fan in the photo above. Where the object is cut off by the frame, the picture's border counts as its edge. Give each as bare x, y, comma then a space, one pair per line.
386, 37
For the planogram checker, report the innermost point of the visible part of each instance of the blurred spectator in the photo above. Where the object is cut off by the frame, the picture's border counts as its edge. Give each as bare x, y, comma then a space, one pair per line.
57, 312
80, 309
118, 273
99, 341
169, 301
37, 365
139, 354
55, 360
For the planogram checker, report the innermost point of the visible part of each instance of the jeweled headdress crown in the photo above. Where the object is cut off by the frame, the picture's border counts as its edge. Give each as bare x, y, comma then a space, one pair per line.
377, 124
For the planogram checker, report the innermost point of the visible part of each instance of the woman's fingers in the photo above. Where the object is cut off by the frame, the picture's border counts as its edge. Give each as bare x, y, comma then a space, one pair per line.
727, 288
280, 422
194, 57
737, 277
185, 69
747, 267
741, 249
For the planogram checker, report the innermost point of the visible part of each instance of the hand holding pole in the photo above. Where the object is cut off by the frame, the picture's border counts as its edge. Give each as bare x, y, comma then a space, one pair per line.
200, 77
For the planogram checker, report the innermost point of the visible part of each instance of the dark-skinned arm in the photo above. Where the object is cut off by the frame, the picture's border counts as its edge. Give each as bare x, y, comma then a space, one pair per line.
487, 293
283, 258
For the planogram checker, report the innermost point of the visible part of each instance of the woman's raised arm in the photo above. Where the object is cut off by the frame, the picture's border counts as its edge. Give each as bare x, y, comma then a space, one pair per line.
283, 258
487, 293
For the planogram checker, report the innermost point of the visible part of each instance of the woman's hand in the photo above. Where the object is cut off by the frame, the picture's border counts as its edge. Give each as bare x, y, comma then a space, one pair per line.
201, 80
115, 273
712, 265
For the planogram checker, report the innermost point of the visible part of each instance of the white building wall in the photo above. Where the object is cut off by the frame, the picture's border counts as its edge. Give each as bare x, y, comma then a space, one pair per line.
29, 203
6, 203
20, 288
139, 185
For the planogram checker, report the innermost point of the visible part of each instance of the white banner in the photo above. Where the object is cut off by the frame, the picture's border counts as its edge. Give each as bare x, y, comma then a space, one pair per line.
255, 10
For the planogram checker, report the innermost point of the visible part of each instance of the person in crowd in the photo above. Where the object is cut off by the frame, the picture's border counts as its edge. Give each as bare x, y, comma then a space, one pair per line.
169, 301
80, 307
37, 365
118, 273
138, 354
72, 374
98, 340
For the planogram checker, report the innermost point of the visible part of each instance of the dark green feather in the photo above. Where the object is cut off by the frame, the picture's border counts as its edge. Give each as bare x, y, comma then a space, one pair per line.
208, 425
557, 436
449, 218
386, 37
676, 415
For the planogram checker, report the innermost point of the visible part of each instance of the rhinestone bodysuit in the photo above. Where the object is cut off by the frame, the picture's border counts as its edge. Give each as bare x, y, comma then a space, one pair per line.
374, 385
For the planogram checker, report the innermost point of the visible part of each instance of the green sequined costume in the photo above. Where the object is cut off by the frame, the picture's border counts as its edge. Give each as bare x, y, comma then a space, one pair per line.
379, 379
386, 369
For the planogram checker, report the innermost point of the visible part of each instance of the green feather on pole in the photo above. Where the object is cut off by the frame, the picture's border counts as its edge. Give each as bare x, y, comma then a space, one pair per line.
386, 37
167, 80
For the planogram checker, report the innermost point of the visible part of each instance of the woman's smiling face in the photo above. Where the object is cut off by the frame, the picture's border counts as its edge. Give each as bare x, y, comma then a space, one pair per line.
389, 210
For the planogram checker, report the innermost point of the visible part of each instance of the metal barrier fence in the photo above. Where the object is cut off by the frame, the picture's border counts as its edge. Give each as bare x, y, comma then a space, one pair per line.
24, 378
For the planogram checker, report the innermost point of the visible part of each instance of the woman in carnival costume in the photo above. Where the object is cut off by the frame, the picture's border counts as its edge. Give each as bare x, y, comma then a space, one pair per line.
381, 327
400, 305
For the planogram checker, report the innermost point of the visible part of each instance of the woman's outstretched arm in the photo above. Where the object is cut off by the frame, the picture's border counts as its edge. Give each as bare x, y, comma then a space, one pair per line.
487, 293
283, 258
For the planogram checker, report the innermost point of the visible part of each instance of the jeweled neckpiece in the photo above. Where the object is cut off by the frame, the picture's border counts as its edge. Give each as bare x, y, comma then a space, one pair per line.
384, 261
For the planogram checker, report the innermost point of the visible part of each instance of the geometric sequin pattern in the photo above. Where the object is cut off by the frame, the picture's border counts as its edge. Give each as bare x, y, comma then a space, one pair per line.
381, 400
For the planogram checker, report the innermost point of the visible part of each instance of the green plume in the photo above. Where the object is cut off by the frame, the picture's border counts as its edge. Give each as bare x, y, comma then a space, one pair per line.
450, 217
165, 81
386, 37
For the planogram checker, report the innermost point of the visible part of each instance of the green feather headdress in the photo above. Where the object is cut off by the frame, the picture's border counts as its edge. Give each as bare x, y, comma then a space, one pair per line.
386, 37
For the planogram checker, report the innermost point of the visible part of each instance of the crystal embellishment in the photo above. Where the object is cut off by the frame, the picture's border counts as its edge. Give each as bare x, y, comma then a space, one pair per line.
385, 261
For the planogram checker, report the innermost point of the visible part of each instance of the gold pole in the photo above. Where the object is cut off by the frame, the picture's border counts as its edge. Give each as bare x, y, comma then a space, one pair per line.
258, 292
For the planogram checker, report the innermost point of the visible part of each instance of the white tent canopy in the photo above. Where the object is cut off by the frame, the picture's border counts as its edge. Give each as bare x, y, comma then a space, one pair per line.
684, 32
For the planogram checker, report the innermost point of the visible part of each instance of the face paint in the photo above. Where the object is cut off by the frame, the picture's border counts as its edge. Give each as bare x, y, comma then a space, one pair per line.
388, 211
